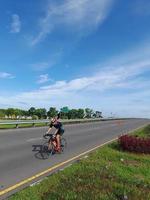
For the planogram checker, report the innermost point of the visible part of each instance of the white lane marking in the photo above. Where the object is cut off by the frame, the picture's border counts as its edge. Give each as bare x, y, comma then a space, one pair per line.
33, 139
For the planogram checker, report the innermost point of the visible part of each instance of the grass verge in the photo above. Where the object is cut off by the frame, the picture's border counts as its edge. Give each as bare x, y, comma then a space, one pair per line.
7, 126
11, 126
143, 132
107, 174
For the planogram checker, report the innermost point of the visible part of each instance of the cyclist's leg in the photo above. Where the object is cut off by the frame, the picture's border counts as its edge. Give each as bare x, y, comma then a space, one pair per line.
50, 143
54, 143
58, 141
51, 147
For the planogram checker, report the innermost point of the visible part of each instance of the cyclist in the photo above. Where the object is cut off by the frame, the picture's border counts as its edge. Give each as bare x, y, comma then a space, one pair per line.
59, 131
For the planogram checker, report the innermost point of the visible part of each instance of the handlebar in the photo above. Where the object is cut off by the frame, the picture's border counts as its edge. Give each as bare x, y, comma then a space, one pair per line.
48, 135
44, 136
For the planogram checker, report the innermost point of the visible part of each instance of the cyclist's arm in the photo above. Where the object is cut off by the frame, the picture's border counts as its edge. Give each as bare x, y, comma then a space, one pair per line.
49, 130
50, 127
56, 131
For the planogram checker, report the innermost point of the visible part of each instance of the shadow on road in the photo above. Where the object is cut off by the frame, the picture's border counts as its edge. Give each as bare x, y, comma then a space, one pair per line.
39, 152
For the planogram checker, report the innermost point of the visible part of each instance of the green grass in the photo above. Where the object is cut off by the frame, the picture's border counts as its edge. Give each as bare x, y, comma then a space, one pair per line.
9, 126
143, 132
30, 125
107, 174
40, 124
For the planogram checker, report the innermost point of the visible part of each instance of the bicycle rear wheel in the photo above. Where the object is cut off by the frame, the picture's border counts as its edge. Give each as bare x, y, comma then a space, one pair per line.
63, 144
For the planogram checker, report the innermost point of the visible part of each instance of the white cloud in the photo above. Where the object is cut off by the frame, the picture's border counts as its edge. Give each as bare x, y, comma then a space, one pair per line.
109, 78
75, 15
89, 91
15, 24
43, 78
121, 86
5, 75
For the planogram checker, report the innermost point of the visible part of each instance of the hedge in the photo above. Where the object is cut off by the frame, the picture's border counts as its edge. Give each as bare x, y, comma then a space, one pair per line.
134, 144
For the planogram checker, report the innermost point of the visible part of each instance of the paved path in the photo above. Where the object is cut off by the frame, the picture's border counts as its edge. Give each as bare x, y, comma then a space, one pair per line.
20, 156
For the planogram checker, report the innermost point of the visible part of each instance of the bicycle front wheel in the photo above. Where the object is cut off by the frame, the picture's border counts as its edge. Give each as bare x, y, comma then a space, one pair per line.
47, 149
44, 150
63, 144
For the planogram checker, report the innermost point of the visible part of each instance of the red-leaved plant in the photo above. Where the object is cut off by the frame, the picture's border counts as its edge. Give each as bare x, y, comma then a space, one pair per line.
134, 143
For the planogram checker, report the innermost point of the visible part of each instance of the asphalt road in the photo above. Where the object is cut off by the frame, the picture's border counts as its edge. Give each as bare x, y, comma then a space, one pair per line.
20, 156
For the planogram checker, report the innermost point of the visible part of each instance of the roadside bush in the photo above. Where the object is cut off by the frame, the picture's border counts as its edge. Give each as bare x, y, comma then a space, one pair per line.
134, 144
35, 117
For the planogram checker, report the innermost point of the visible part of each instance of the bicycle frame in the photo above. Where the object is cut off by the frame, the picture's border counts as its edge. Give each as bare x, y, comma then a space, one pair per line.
52, 141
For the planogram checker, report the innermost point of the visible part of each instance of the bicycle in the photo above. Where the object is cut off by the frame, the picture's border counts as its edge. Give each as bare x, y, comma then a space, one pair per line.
49, 147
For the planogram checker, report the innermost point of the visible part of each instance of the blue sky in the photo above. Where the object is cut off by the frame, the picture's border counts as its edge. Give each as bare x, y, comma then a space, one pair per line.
79, 53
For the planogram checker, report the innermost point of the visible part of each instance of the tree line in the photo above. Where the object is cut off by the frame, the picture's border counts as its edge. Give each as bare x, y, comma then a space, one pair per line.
42, 113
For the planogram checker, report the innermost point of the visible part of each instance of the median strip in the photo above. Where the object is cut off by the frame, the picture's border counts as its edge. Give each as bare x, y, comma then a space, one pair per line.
37, 123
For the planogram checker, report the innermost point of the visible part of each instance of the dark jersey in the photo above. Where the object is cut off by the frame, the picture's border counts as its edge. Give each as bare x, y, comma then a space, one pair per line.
57, 125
